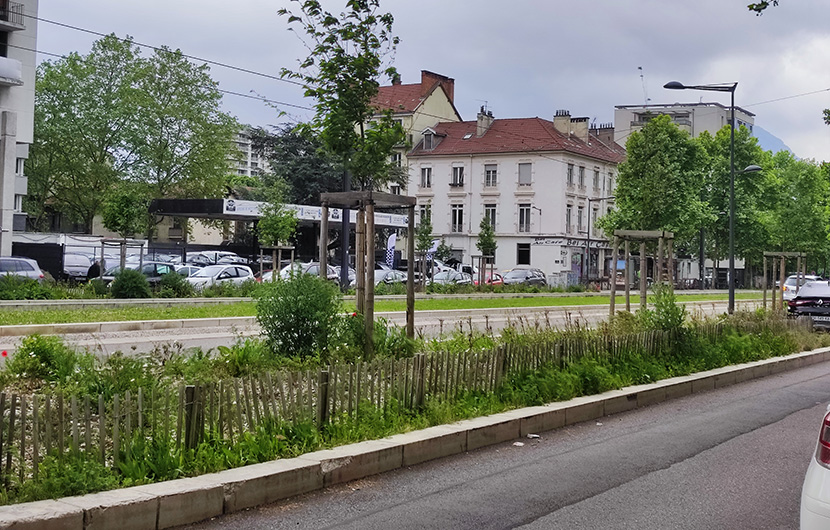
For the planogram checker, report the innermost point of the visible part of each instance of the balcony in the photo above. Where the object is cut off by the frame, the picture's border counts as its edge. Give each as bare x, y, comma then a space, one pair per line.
21, 185
11, 72
11, 16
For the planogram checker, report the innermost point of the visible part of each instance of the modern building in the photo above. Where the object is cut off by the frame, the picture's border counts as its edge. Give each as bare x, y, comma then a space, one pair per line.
693, 118
18, 40
417, 106
249, 162
537, 181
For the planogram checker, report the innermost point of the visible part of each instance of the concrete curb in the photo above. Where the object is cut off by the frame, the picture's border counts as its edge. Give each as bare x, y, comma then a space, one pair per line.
190, 500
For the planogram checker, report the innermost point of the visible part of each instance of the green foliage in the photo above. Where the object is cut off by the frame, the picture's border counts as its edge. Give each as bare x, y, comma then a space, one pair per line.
298, 315
43, 357
174, 285
444, 251
667, 315
73, 474
125, 212
130, 283
423, 234
97, 287
486, 243
227, 289
243, 358
277, 224
21, 288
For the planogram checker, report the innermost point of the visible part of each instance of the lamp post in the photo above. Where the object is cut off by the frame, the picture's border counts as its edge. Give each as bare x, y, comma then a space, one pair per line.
540, 217
725, 87
588, 246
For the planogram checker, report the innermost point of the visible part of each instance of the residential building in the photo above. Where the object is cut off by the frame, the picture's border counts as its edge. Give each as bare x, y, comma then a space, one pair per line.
417, 106
693, 118
18, 40
531, 178
248, 162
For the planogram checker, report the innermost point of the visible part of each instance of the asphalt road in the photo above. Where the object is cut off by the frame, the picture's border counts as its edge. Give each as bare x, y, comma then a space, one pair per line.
732, 458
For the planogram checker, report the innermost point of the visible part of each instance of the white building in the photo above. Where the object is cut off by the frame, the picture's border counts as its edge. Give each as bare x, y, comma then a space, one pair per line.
248, 162
694, 118
18, 40
537, 181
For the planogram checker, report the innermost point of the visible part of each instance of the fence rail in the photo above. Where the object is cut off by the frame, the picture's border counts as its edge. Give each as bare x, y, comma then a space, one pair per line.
32, 427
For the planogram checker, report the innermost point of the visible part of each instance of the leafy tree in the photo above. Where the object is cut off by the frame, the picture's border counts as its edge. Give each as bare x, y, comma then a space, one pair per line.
423, 234
276, 224
444, 251
658, 187
125, 213
486, 243
759, 7
341, 72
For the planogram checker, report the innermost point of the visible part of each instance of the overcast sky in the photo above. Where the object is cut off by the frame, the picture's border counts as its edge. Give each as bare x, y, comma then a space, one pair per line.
524, 57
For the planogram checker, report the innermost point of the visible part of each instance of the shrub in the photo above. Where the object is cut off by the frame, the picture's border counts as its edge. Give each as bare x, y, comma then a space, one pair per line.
73, 474
130, 283
20, 288
43, 357
174, 285
299, 314
667, 314
97, 287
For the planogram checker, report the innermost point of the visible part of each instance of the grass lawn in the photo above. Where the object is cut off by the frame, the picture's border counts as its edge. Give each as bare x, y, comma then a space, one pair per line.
242, 309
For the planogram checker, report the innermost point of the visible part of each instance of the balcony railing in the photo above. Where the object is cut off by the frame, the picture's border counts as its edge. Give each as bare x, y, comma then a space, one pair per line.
12, 14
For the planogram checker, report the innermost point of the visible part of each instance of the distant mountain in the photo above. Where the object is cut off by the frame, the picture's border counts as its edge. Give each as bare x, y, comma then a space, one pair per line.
768, 141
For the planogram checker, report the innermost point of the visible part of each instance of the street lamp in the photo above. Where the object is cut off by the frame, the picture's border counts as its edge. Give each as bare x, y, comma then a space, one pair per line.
725, 87
588, 246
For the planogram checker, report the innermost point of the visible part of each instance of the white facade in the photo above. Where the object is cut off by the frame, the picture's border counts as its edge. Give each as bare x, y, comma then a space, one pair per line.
541, 213
18, 40
693, 118
248, 162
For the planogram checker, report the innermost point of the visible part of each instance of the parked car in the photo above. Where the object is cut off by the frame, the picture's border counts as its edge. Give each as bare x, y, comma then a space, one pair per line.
815, 492
452, 277
496, 279
152, 270
312, 267
812, 300
524, 276
215, 274
791, 284
75, 267
24, 267
389, 276
187, 270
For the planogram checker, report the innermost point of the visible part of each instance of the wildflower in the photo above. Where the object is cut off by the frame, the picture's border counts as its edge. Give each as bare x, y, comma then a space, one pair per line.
5, 353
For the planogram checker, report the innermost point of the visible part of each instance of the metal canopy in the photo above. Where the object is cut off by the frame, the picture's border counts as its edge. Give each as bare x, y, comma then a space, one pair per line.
353, 199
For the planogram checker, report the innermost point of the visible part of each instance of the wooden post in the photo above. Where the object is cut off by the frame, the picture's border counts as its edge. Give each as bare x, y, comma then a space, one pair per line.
410, 275
783, 277
360, 259
613, 300
322, 398
670, 261
189, 417
370, 281
324, 242
772, 278
627, 256
277, 265
661, 252
643, 274
764, 282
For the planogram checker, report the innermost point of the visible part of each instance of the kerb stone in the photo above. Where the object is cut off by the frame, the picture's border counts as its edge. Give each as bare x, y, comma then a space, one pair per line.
352, 462
257, 484
186, 501
430, 444
41, 515
125, 509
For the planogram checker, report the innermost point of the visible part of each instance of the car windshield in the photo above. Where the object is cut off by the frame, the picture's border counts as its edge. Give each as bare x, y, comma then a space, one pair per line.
208, 272
816, 288
520, 273
442, 275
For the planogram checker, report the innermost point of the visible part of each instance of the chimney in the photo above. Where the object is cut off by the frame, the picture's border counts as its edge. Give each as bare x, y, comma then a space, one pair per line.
562, 122
429, 79
579, 128
604, 133
484, 119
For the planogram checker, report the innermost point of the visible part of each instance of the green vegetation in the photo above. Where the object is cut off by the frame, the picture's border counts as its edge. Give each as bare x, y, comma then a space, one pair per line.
130, 283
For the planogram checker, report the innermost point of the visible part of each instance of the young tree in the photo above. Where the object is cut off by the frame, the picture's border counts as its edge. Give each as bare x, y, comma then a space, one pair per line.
125, 212
341, 72
486, 243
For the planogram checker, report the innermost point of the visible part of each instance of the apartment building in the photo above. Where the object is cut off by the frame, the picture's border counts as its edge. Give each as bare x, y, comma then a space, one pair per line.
248, 162
537, 181
693, 118
18, 40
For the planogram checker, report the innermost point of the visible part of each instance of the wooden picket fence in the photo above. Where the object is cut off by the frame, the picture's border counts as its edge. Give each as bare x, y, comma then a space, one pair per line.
32, 427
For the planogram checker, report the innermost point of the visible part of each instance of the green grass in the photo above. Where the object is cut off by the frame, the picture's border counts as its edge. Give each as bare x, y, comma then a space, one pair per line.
245, 309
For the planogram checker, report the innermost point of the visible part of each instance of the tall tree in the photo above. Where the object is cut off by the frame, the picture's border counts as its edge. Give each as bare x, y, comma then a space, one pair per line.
486, 243
658, 186
341, 73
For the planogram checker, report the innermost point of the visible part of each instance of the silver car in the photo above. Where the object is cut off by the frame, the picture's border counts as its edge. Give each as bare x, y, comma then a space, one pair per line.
792, 285
215, 274
25, 267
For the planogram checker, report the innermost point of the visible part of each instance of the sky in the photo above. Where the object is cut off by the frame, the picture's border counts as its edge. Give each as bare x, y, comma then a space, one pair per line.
523, 58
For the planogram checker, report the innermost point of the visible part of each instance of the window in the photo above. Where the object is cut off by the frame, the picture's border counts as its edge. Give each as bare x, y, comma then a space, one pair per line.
580, 214
523, 254
596, 179
395, 189
525, 174
570, 174
426, 212
457, 176
490, 214
581, 176
594, 221
491, 172
524, 218
610, 182
396, 159
457, 218
568, 215
426, 177
428, 140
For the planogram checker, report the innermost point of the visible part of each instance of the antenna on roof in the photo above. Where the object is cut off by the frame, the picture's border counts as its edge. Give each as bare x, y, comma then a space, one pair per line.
646, 99
484, 108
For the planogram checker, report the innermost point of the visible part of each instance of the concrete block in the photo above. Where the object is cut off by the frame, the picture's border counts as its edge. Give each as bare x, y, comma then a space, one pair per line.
703, 384
777, 367
617, 401
41, 515
744, 373
125, 509
651, 396
17, 331
257, 484
355, 461
163, 324
89, 327
678, 390
122, 326
431, 444
542, 419
491, 430
186, 501
201, 323
725, 378
584, 409
761, 370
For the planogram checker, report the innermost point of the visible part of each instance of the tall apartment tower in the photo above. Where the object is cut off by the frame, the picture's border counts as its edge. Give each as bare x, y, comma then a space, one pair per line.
18, 42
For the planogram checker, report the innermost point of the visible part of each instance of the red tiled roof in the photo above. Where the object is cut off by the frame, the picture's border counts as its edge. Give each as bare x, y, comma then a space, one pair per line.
399, 98
515, 135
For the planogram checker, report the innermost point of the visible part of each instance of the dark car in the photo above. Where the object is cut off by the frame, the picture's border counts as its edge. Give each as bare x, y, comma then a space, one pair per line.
153, 270
524, 276
813, 300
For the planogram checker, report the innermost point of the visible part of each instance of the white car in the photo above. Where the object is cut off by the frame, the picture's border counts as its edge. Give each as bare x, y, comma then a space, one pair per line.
215, 274
815, 494
791, 284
